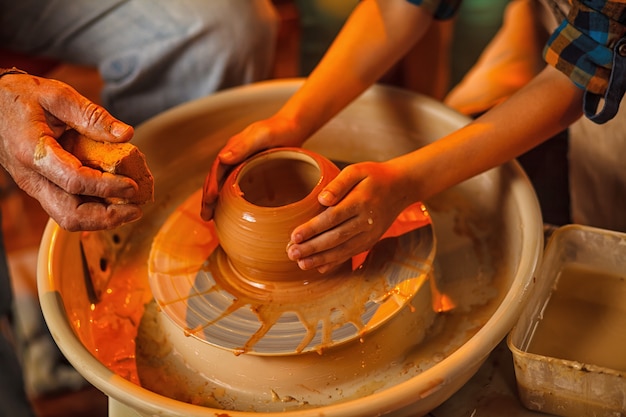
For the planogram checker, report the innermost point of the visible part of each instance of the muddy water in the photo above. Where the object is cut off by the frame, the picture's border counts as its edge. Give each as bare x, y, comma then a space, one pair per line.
584, 319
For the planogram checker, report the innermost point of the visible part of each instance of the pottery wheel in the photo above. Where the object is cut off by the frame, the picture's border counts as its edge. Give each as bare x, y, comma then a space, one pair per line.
195, 286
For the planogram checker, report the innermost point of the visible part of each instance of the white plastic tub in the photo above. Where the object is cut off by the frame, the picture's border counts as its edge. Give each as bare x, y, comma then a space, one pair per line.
569, 347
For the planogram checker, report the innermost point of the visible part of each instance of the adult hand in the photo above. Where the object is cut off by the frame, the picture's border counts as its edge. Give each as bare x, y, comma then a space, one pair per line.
34, 113
363, 201
276, 131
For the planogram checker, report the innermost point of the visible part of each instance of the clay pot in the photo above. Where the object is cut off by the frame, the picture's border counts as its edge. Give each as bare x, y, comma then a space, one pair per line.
261, 202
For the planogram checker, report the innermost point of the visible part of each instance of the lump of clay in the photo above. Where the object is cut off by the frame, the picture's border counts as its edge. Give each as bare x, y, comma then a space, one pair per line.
116, 158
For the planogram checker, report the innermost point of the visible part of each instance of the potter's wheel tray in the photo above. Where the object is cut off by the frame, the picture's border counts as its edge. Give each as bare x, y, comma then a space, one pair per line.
489, 242
195, 285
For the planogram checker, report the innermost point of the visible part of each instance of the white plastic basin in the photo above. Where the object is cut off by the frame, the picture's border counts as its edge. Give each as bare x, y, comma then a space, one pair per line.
489, 242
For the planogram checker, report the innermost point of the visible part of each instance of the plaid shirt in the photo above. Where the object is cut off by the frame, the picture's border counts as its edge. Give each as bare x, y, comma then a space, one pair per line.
589, 47
582, 46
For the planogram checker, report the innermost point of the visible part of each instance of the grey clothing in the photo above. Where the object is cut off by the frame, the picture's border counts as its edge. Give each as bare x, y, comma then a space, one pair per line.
151, 54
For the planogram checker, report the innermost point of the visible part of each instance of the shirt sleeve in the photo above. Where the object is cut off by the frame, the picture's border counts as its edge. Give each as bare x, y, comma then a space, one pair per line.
440, 9
585, 46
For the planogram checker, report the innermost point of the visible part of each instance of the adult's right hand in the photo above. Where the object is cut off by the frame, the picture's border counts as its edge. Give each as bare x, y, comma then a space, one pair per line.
34, 113
276, 131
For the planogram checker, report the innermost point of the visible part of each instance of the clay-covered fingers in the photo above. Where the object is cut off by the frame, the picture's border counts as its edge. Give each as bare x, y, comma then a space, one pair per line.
77, 215
364, 200
74, 212
68, 173
239, 147
273, 132
37, 114
333, 242
210, 191
79, 113
346, 204
249, 141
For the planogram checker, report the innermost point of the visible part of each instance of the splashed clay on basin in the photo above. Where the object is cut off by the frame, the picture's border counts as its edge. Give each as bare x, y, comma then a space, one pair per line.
489, 240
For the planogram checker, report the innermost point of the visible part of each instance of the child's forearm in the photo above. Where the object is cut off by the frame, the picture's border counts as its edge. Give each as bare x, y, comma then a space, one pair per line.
545, 107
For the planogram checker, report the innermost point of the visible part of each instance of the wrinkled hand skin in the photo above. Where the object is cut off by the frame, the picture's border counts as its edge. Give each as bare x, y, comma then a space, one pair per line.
34, 113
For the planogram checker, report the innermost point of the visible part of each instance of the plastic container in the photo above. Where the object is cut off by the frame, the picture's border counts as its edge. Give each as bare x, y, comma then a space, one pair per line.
569, 345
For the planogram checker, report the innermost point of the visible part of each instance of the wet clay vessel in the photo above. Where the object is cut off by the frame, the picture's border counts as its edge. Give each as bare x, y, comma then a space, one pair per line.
229, 282
261, 202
